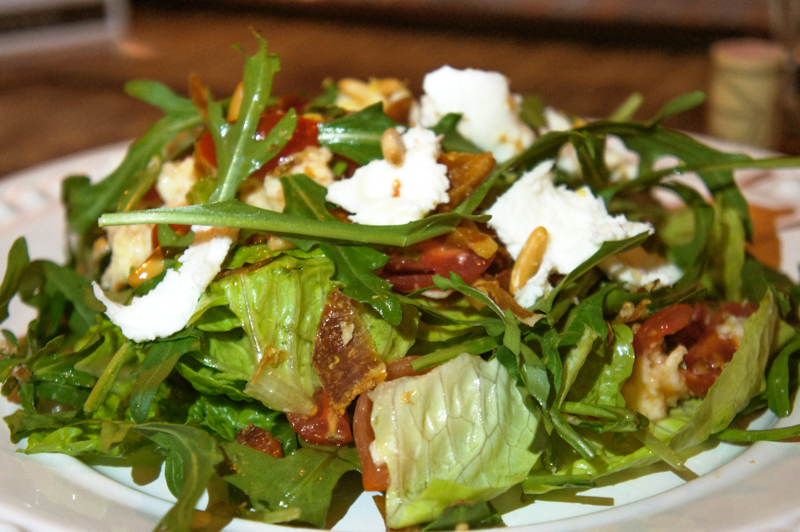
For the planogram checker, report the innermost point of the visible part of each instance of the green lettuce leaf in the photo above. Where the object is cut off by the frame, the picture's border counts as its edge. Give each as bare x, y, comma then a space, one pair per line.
476, 442
357, 136
191, 455
602, 376
227, 417
280, 305
303, 479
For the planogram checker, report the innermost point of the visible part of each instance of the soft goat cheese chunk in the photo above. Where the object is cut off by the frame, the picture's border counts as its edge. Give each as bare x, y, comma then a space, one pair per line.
268, 193
489, 115
381, 194
130, 246
169, 306
577, 224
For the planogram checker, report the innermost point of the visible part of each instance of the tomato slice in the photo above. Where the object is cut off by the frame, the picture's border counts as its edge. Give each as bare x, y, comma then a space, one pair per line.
712, 350
698, 329
375, 477
305, 136
414, 268
656, 327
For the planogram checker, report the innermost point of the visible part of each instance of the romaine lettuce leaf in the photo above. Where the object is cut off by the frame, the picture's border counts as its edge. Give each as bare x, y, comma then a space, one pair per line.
279, 305
460, 432
392, 341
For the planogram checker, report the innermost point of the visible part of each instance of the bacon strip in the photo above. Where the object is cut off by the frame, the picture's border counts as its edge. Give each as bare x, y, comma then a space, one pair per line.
344, 353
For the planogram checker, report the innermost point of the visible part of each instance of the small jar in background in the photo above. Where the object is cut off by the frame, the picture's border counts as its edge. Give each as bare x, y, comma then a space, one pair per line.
747, 84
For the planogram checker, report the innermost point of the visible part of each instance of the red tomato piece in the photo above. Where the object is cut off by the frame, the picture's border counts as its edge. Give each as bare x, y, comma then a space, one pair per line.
375, 477
656, 327
436, 257
697, 329
712, 350
324, 426
305, 135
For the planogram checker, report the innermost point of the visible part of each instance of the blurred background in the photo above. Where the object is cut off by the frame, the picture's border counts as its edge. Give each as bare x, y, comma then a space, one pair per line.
63, 63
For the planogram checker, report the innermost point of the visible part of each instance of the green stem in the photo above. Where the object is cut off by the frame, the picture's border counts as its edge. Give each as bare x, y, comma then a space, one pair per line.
109, 376
474, 347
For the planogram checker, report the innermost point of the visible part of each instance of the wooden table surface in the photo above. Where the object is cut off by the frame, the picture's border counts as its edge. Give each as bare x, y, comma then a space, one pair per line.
58, 103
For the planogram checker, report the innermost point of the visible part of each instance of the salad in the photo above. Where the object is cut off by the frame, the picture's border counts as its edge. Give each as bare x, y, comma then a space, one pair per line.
451, 295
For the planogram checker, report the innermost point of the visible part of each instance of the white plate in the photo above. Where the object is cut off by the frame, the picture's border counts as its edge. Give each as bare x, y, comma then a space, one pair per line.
742, 488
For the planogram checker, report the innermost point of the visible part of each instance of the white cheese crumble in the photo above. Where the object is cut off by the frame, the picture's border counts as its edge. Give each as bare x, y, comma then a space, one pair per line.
381, 194
656, 383
268, 194
731, 328
490, 114
130, 246
169, 306
577, 224
636, 269
175, 181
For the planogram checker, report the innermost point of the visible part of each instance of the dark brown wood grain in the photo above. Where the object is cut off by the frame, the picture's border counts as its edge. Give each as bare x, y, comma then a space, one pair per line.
57, 103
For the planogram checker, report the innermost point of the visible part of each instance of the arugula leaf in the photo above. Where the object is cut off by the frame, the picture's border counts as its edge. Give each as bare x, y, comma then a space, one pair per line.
608, 249
476, 514
688, 253
778, 379
167, 138
587, 315
532, 111
109, 376
601, 378
628, 108
23, 423
357, 136
159, 95
653, 142
354, 264
304, 479
16, 265
452, 140
678, 105
210, 382
239, 152
158, 362
191, 455
726, 253
234, 213
227, 417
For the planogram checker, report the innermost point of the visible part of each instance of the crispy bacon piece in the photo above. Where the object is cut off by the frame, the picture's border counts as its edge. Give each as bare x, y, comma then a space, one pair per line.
344, 353
466, 172
323, 426
260, 440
